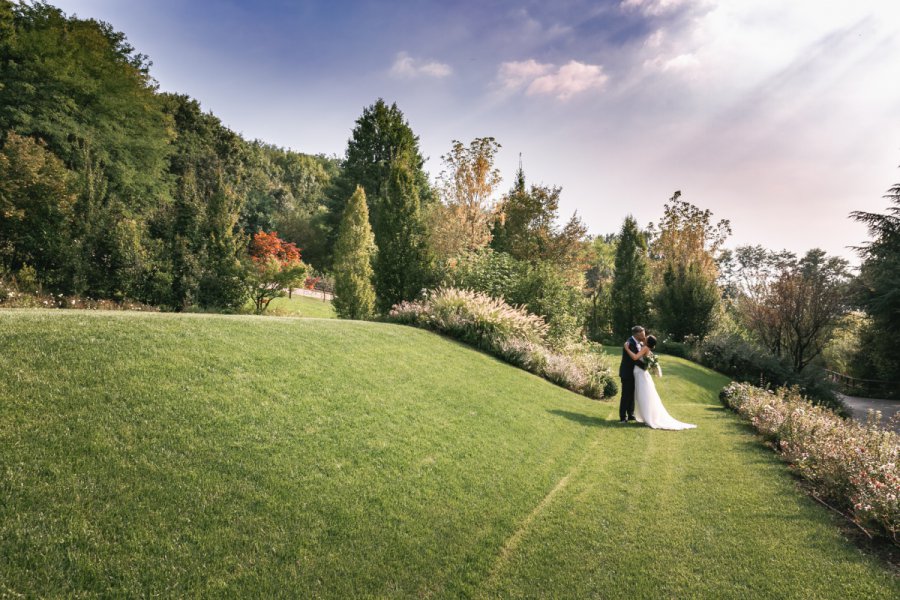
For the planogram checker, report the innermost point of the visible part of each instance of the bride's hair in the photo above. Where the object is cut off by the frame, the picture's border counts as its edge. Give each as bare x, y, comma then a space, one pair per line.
651, 341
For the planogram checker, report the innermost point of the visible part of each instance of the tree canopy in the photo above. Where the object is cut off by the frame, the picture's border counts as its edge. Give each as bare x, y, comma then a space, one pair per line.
878, 285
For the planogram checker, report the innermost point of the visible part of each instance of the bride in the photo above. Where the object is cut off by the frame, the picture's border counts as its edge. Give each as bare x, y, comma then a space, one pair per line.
649, 408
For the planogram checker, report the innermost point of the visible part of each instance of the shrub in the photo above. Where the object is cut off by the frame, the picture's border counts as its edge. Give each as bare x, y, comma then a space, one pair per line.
477, 318
22, 291
539, 286
610, 388
741, 360
853, 465
496, 274
545, 292
512, 334
679, 349
15, 299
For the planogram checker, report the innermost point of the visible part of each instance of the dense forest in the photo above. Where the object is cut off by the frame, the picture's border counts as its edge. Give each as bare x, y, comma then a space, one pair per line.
112, 189
121, 191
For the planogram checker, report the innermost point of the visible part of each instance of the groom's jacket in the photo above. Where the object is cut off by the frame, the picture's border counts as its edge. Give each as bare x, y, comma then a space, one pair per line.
626, 367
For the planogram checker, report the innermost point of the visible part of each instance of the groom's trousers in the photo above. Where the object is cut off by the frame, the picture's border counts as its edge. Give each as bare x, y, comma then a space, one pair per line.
626, 404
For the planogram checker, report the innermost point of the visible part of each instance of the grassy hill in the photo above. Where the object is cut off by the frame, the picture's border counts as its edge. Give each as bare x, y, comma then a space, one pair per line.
152, 454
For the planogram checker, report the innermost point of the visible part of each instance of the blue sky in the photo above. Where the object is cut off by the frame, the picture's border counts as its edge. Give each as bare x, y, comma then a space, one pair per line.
780, 116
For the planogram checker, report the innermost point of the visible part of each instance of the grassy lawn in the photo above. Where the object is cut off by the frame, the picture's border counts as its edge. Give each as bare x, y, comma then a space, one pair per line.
299, 306
172, 455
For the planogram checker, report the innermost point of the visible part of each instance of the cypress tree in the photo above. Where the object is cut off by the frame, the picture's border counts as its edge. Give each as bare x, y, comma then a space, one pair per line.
354, 295
630, 288
402, 264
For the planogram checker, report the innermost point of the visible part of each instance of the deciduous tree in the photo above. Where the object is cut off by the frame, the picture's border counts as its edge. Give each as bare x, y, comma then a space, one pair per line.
790, 305
275, 266
36, 200
687, 235
684, 250
462, 222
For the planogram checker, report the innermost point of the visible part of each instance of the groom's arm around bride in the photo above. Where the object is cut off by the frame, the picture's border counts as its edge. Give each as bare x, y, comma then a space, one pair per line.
626, 374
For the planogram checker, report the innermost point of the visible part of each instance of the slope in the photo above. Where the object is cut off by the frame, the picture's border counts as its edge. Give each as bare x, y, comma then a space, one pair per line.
150, 454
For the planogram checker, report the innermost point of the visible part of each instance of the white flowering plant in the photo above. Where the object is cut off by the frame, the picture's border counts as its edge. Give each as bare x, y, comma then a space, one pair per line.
850, 464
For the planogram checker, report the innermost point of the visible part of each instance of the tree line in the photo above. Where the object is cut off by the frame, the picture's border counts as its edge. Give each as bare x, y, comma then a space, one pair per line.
111, 189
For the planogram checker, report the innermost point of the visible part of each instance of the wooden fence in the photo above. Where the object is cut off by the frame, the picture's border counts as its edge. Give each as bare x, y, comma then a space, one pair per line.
865, 388
320, 289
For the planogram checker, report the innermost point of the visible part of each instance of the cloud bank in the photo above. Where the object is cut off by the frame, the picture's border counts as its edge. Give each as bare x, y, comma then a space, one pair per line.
562, 82
405, 66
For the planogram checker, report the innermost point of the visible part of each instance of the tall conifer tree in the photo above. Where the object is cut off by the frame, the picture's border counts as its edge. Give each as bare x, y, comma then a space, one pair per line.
630, 293
354, 294
379, 138
402, 264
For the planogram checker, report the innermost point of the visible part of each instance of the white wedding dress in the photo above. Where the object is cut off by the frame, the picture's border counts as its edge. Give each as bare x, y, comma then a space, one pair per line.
648, 406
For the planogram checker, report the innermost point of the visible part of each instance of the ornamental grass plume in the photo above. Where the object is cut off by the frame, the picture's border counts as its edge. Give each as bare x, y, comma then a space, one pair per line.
510, 333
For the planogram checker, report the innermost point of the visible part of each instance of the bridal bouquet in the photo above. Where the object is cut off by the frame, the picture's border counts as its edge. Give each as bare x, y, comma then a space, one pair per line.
653, 365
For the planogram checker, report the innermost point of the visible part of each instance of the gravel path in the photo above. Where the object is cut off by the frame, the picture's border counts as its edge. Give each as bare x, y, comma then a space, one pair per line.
313, 293
860, 408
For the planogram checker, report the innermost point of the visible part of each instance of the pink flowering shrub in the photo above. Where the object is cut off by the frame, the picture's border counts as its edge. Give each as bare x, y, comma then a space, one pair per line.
510, 333
850, 464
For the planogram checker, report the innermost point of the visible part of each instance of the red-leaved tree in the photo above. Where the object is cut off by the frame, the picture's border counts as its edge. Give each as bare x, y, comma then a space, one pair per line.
275, 266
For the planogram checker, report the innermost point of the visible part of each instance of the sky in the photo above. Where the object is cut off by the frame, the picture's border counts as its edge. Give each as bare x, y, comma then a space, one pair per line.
779, 116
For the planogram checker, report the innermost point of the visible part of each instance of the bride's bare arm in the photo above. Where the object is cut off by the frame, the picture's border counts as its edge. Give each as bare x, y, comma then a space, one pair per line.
640, 354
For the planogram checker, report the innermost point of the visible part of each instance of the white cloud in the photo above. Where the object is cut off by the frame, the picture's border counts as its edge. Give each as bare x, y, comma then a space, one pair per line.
655, 39
680, 63
513, 75
526, 27
653, 8
546, 79
405, 66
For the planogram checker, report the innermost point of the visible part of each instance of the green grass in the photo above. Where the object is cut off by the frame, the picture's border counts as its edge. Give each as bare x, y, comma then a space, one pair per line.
299, 306
174, 455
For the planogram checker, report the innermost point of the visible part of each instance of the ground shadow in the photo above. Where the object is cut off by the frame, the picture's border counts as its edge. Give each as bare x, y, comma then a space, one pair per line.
584, 419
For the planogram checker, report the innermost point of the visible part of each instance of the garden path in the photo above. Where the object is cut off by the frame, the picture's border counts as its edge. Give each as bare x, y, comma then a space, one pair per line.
860, 408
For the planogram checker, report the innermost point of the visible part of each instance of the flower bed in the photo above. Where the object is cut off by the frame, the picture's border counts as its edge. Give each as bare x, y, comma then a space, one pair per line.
13, 299
510, 333
848, 464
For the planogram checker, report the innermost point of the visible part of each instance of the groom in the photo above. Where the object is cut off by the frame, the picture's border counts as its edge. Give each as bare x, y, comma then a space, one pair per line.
626, 373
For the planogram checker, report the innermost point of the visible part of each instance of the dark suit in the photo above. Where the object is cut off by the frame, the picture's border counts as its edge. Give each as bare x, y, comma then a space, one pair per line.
626, 373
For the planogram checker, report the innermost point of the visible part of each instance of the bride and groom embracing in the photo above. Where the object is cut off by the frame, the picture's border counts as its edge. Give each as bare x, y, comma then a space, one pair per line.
640, 401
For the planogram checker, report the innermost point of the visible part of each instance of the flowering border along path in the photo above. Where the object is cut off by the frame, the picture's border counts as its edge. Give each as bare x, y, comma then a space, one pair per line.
849, 464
